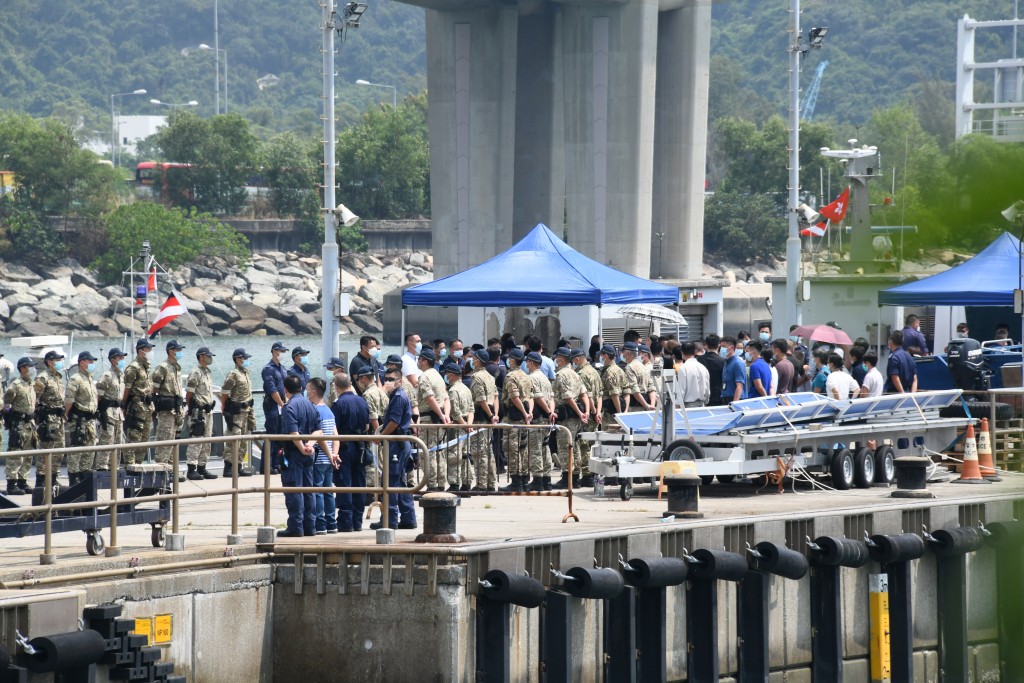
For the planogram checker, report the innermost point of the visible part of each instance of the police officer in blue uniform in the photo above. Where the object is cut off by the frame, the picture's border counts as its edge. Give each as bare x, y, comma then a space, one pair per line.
300, 368
398, 420
351, 417
273, 388
300, 418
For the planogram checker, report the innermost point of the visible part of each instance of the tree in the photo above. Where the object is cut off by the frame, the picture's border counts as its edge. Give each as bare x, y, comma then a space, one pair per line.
290, 169
177, 236
740, 226
223, 154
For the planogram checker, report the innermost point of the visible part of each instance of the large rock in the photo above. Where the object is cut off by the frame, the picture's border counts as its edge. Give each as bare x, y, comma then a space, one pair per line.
107, 327
23, 314
264, 266
196, 294
260, 277
221, 311
86, 302
267, 300
60, 286
14, 287
292, 271
300, 298
374, 292
373, 272
12, 272
367, 323
125, 324
246, 326
247, 311
302, 323
21, 299
417, 259
35, 330
5, 310
278, 328
213, 323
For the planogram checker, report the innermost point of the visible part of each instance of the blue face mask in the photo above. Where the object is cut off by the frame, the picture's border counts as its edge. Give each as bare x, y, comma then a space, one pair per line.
457, 354
178, 355
91, 367
58, 366
122, 364
794, 339
748, 356
419, 346
723, 352
245, 363
375, 352
505, 363
764, 336
600, 363
864, 367
444, 353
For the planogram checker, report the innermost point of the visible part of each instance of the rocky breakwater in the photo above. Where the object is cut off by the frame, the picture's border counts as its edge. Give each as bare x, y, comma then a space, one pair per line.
275, 294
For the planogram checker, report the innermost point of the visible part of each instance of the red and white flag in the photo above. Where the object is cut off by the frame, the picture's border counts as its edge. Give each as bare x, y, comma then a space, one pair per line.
171, 309
816, 230
836, 211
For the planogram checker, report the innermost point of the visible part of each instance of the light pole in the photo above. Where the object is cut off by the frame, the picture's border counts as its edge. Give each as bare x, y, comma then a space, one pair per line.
115, 128
174, 105
394, 91
219, 51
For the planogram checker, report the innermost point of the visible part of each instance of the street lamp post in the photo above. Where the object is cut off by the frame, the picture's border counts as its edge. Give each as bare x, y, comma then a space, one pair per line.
219, 51
394, 91
115, 128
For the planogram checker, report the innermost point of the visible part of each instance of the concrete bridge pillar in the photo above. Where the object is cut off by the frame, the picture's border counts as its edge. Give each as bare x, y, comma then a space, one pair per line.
471, 77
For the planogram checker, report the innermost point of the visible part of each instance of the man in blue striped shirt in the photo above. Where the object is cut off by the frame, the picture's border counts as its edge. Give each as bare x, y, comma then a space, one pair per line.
323, 470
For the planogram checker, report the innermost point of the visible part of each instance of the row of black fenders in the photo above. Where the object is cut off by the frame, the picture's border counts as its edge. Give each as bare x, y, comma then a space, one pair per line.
635, 616
105, 639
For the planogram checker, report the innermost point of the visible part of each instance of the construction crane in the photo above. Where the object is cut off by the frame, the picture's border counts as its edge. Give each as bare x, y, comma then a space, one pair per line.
811, 98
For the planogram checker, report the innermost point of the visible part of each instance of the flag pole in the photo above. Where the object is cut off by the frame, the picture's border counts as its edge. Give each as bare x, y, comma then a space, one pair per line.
181, 298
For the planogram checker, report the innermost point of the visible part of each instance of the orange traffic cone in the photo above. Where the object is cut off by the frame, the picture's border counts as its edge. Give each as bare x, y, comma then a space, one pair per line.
985, 463
970, 473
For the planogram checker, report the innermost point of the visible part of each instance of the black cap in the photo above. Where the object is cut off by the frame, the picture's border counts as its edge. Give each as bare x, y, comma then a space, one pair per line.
85, 355
477, 347
143, 344
483, 355
23, 361
240, 353
428, 354
364, 371
563, 351
278, 346
608, 349
393, 360
578, 353
299, 351
334, 362
115, 353
516, 355
204, 351
173, 345
53, 355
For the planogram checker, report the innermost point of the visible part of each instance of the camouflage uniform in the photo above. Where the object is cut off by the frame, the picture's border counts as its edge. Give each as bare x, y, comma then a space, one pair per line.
432, 385
110, 389
613, 383
200, 385
168, 401
517, 385
592, 383
540, 455
377, 403
460, 469
138, 416
238, 388
567, 387
21, 396
483, 389
50, 416
637, 378
81, 394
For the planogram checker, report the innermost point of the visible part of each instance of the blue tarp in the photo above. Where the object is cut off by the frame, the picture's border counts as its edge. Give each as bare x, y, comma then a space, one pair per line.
988, 279
541, 270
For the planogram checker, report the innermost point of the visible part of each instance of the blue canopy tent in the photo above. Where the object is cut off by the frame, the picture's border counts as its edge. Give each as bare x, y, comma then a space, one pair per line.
541, 270
988, 279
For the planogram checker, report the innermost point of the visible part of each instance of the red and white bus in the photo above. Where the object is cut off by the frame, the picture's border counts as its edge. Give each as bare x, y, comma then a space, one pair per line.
155, 179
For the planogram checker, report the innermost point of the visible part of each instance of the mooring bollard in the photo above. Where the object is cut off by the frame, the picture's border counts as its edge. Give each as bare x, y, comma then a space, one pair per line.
683, 496
439, 518
912, 477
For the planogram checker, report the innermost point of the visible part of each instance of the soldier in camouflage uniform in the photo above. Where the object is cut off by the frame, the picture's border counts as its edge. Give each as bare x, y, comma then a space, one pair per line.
169, 405
648, 387
592, 383
485, 403
137, 402
543, 410
460, 469
636, 378
110, 389
434, 408
377, 404
19, 411
49, 388
517, 396
82, 406
613, 389
236, 404
570, 412
199, 402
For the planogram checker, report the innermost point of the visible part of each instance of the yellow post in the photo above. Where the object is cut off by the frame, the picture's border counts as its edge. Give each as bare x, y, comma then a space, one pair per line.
878, 600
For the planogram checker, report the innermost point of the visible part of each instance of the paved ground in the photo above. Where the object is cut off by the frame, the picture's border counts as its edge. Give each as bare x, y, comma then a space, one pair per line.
206, 522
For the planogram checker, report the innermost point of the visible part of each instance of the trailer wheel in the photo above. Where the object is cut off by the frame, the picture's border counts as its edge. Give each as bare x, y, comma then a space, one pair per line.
684, 449
864, 468
94, 543
626, 489
158, 536
885, 465
726, 478
842, 469
707, 480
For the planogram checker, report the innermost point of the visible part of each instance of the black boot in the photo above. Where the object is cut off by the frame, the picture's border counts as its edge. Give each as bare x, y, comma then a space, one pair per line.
193, 473
576, 482
547, 483
40, 481
515, 487
562, 483
586, 482
536, 485
72, 478
12, 488
23, 485
227, 469
203, 474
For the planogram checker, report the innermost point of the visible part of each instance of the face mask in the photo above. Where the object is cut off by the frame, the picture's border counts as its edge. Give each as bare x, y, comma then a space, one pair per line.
505, 363
764, 336
178, 355
748, 356
620, 359
375, 352
457, 354
723, 352
444, 353
600, 363
121, 364
961, 335
245, 363
90, 368
31, 373
795, 340
864, 367
58, 366
419, 346
144, 355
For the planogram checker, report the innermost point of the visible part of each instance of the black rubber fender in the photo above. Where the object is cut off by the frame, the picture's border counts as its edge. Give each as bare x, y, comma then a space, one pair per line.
516, 589
657, 572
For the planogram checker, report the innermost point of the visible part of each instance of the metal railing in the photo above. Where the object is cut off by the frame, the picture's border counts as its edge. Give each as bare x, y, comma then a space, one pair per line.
48, 508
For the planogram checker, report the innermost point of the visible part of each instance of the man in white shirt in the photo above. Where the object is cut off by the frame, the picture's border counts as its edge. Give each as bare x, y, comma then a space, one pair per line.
410, 367
840, 384
874, 383
692, 379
